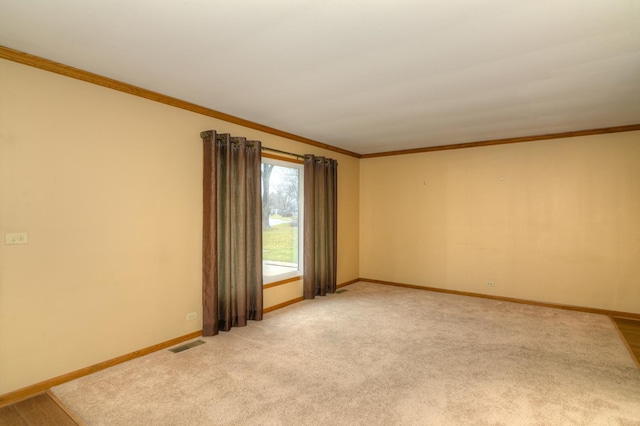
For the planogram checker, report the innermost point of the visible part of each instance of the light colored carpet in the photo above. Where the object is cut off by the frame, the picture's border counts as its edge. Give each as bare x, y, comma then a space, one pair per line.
380, 355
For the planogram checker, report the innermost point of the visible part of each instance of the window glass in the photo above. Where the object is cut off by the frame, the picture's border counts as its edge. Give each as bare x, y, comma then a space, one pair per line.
282, 184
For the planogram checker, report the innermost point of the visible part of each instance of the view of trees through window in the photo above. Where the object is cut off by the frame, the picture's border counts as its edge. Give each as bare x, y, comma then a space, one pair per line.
281, 207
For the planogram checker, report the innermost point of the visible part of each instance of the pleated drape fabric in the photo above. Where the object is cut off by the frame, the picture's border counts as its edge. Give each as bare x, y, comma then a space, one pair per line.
232, 232
320, 225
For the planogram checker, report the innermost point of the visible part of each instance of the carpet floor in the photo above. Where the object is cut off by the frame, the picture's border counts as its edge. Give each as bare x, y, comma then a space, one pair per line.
380, 355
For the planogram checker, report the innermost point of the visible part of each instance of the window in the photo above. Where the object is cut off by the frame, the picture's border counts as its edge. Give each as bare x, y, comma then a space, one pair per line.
282, 186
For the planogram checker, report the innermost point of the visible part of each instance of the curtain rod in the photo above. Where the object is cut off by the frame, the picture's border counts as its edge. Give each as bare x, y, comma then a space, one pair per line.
209, 133
264, 148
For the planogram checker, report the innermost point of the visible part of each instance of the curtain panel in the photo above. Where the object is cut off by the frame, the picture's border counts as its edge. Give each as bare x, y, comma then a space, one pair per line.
232, 232
320, 226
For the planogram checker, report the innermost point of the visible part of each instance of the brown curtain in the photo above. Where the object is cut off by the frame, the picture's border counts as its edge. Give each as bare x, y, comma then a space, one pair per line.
232, 233
320, 226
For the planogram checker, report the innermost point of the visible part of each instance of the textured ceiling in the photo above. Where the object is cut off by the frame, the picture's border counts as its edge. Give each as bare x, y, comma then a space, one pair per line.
366, 76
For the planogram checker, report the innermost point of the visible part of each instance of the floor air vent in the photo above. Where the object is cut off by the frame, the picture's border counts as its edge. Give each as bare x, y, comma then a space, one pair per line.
341, 290
187, 346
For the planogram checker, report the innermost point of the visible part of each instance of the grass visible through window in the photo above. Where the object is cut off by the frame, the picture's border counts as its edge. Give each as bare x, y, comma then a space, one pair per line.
282, 243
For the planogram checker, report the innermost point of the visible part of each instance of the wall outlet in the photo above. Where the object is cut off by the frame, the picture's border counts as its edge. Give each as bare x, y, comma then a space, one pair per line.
491, 284
192, 316
16, 238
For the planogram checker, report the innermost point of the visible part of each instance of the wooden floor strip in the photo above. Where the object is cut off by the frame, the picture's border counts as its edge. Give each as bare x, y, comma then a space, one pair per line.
64, 408
630, 331
39, 410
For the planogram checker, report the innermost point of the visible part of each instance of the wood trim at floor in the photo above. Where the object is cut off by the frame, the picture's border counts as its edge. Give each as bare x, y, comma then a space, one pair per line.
282, 305
300, 299
348, 283
32, 390
510, 299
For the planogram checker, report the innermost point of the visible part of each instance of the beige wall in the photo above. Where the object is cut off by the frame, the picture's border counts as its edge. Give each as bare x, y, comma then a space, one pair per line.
554, 221
108, 187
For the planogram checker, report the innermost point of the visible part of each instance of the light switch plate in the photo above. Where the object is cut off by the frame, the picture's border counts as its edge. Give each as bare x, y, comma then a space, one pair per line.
16, 238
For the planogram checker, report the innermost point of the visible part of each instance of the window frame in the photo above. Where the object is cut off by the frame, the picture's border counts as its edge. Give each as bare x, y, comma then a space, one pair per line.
283, 278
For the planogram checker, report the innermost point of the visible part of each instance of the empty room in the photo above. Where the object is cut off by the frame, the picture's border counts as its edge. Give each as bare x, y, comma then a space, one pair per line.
319, 212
